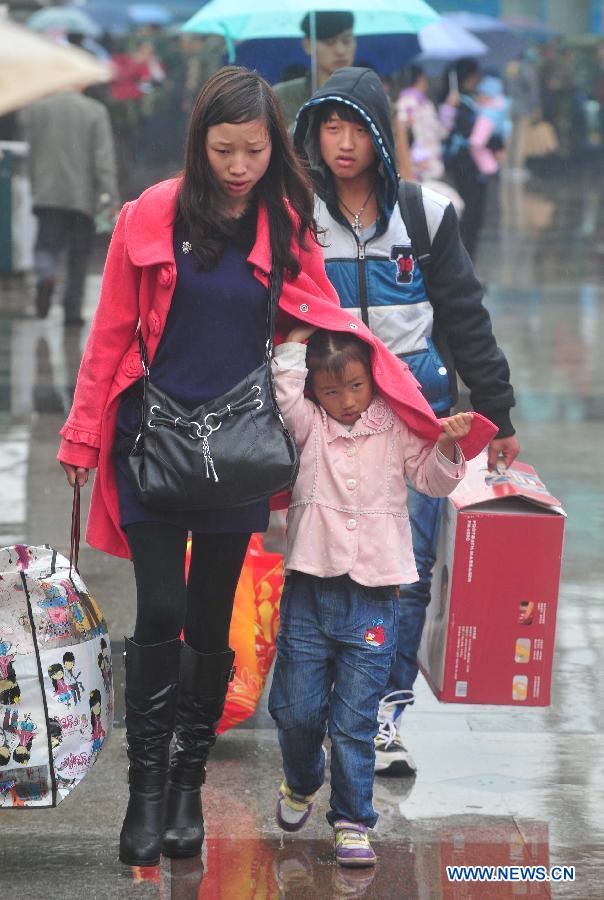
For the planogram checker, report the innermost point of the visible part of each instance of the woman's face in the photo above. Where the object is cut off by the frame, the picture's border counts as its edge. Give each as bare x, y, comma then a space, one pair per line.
239, 155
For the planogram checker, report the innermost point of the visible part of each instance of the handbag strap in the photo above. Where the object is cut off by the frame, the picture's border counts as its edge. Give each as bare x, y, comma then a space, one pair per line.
74, 552
275, 286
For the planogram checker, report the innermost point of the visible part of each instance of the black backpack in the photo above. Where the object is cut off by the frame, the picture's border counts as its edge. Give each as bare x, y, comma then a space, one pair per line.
414, 216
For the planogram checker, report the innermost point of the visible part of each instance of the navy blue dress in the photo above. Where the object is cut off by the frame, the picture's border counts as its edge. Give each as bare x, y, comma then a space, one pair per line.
215, 334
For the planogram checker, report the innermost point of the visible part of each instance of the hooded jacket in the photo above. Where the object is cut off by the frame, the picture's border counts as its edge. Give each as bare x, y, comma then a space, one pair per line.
137, 289
438, 332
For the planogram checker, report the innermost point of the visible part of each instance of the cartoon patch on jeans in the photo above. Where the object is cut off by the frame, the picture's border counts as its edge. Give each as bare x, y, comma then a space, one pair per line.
375, 635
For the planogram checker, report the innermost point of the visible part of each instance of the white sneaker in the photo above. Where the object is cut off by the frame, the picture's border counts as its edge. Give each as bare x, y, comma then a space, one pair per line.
391, 757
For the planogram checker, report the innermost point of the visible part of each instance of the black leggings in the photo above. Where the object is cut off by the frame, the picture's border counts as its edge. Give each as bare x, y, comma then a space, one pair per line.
165, 603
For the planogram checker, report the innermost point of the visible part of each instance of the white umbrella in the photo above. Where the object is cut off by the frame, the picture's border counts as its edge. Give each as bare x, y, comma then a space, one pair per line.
34, 66
447, 41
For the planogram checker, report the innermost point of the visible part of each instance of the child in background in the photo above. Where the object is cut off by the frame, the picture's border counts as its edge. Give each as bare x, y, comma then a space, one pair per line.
348, 549
493, 125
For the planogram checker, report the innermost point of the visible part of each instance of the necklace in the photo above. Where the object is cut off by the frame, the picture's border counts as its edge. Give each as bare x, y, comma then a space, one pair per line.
356, 217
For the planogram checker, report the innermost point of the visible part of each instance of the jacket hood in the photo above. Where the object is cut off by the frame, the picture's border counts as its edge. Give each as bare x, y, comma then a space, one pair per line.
362, 90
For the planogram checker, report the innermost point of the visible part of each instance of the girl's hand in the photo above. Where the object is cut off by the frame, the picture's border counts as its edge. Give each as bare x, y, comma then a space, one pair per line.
300, 334
73, 473
454, 428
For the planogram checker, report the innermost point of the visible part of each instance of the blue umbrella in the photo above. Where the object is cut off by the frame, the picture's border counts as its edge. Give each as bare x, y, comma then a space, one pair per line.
119, 18
149, 14
503, 42
67, 19
278, 19
281, 18
385, 53
112, 18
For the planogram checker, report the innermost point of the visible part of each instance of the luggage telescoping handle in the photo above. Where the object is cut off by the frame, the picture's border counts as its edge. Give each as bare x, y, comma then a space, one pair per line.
75, 530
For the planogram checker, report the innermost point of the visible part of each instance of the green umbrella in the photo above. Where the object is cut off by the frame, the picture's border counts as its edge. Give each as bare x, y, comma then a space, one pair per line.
281, 18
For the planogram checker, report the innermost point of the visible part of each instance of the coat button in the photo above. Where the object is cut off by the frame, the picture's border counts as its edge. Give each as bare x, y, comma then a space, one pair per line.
442, 370
351, 451
154, 322
133, 365
165, 276
304, 307
351, 524
351, 484
353, 325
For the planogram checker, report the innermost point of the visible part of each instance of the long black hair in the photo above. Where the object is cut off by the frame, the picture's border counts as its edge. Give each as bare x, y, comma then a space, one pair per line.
235, 95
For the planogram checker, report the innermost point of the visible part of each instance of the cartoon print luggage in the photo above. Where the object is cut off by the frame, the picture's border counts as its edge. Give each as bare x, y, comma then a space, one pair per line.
56, 689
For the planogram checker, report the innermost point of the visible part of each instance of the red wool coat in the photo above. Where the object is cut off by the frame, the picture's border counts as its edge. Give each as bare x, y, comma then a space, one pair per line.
138, 284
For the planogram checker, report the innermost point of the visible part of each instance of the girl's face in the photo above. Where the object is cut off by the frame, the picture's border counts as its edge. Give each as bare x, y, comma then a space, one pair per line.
238, 155
345, 398
346, 147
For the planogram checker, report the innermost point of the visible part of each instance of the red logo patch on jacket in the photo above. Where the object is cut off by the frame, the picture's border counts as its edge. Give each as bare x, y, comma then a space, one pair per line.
405, 264
375, 635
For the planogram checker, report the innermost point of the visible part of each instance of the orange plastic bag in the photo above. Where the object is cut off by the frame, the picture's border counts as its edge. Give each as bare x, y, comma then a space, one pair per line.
254, 630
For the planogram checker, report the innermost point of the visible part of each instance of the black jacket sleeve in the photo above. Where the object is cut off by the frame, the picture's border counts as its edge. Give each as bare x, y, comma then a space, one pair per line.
464, 325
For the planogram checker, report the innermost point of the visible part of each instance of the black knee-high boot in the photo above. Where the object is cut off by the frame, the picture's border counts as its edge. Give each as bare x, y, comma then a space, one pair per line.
204, 680
152, 673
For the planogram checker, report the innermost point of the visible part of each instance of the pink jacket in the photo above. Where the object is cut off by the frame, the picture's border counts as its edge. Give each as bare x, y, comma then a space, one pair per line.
138, 284
348, 510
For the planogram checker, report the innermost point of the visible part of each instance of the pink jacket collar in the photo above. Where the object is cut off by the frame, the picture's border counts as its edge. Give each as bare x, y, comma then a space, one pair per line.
150, 221
377, 417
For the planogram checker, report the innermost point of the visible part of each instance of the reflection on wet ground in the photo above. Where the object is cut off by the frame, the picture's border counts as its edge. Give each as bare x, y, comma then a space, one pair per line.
496, 786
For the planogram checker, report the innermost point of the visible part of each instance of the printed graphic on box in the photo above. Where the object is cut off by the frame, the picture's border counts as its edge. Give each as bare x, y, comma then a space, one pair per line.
490, 627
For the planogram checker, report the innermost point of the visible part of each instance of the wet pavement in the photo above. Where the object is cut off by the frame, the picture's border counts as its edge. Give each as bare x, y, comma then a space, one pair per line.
496, 785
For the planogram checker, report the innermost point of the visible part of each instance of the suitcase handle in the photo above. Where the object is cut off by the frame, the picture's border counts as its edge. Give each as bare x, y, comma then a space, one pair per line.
75, 530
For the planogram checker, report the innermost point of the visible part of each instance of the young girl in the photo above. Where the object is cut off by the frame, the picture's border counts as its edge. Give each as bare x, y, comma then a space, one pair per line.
348, 549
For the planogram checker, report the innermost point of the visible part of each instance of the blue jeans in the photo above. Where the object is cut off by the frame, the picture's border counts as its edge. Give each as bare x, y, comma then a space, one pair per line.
425, 514
335, 649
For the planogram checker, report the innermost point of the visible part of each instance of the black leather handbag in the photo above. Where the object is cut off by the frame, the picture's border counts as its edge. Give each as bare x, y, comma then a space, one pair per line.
231, 451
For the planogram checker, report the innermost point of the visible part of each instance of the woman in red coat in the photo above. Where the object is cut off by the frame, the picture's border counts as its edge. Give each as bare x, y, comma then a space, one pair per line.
188, 264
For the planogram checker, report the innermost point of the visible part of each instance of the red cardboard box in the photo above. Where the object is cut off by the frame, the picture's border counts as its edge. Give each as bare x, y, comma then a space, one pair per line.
490, 626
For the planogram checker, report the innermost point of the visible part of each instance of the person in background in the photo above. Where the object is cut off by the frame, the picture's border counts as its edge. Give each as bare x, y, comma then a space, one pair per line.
491, 132
425, 129
522, 87
467, 177
336, 46
73, 176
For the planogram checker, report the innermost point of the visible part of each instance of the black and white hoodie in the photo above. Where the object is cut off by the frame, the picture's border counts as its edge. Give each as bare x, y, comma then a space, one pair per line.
439, 335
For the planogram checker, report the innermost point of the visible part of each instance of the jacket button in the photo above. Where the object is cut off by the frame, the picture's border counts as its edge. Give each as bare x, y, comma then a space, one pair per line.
304, 307
442, 370
133, 365
154, 322
353, 325
165, 276
351, 524
351, 484
351, 451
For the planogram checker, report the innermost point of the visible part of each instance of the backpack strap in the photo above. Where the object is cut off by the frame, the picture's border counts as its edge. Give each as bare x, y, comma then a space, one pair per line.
414, 216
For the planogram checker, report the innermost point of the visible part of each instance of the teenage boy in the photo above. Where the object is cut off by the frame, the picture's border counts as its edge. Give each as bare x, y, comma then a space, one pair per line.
440, 330
336, 46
